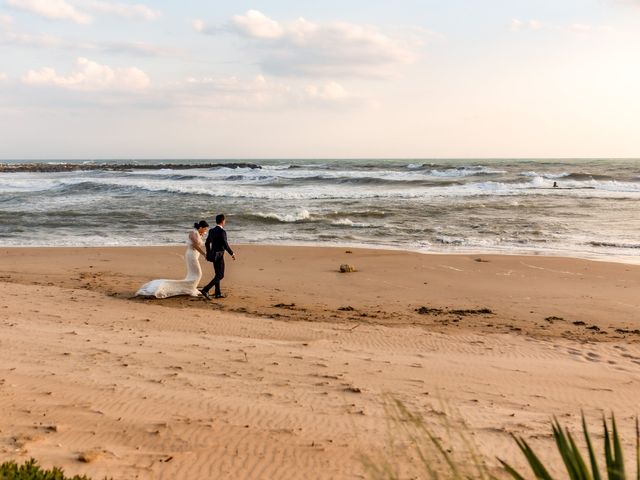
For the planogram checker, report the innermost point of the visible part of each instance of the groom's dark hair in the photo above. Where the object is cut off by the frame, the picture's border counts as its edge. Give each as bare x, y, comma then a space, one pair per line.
219, 218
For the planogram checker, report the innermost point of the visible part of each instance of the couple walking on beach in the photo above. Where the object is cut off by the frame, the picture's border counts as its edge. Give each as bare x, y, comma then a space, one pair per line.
212, 249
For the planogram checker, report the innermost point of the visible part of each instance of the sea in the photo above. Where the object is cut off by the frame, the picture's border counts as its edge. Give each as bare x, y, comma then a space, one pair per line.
437, 206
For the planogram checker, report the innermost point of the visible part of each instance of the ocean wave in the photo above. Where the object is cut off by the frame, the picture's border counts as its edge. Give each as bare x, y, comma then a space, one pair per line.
467, 171
588, 177
307, 175
443, 206
305, 184
356, 213
449, 240
276, 167
244, 178
548, 175
567, 176
204, 187
603, 186
299, 216
596, 243
346, 222
20, 186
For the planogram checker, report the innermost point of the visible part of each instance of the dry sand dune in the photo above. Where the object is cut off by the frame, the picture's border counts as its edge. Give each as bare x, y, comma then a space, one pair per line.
185, 388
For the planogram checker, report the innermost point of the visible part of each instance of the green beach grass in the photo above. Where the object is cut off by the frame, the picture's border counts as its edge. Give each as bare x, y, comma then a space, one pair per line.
444, 449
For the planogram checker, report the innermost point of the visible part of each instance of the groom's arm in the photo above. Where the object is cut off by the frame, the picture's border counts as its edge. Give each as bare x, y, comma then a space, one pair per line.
226, 244
208, 241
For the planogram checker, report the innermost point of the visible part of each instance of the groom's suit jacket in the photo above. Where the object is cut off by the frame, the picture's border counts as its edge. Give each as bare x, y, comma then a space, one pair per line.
216, 242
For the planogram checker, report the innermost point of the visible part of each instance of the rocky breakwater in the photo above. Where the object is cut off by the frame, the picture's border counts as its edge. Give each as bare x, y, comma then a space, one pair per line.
71, 167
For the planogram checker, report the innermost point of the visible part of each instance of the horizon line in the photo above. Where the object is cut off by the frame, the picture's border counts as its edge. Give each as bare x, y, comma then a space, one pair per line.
240, 159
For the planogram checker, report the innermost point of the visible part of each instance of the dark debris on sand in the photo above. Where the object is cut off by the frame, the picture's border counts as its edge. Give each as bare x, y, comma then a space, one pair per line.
554, 319
459, 312
289, 306
625, 330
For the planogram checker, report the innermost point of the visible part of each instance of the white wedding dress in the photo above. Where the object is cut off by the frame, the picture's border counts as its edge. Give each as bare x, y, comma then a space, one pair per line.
189, 285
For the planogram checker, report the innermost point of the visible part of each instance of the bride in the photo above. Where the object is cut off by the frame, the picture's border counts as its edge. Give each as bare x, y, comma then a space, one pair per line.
189, 285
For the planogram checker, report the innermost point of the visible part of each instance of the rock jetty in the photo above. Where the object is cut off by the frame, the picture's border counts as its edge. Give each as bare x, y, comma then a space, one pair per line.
72, 167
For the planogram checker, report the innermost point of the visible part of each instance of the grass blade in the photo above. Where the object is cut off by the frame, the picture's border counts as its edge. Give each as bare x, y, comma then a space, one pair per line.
637, 450
565, 451
608, 455
534, 462
595, 471
511, 471
581, 465
617, 449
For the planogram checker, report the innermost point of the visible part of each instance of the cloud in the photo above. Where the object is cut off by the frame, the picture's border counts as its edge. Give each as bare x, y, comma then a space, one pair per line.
142, 49
53, 9
123, 10
219, 92
78, 10
257, 25
199, 25
42, 40
632, 3
45, 40
301, 47
6, 21
259, 93
91, 76
331, 91
537, 26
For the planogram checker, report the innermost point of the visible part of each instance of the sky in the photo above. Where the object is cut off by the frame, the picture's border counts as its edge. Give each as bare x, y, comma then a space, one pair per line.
102, 79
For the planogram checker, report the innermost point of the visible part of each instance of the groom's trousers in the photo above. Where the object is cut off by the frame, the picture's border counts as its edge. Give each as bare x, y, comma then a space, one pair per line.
218, 268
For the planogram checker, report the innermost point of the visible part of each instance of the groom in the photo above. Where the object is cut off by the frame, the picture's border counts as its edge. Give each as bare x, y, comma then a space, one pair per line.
216, 244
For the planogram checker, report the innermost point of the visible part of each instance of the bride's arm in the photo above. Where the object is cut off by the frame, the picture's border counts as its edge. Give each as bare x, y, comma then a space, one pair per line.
196, 242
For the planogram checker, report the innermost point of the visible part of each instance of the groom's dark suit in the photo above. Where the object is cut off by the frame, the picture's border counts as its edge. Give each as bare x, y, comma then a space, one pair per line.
216, 244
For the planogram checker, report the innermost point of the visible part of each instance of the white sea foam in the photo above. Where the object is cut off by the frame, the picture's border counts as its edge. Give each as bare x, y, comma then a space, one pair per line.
464, 172
274, 173
449, 240
25, 185
253, 183
549, 175
297, 216
276, 167
326, 190
346, 222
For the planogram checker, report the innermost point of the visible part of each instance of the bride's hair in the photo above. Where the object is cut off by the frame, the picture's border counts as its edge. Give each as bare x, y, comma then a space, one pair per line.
200, 224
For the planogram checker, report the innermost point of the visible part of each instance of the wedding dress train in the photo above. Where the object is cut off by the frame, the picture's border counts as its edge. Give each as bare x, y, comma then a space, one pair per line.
188, 286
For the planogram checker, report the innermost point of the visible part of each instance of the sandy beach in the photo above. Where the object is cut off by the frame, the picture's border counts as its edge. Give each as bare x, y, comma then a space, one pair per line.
286, 378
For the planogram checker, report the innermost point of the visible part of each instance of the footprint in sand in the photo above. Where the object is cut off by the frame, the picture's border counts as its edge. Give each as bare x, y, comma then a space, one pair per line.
593, 357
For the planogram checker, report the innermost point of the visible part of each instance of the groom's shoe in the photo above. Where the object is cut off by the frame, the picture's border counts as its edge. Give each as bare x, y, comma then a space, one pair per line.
220, 295
205, 294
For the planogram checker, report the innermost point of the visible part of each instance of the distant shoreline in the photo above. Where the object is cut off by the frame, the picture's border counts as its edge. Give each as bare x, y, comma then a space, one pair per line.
313, 158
